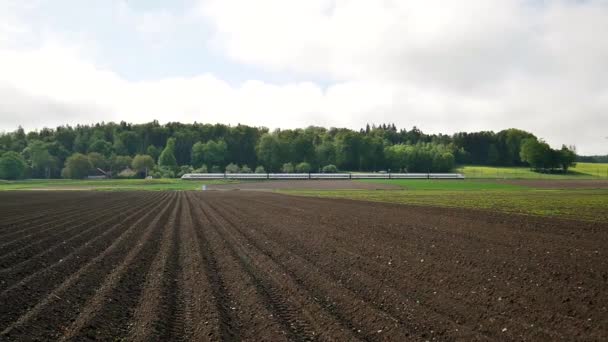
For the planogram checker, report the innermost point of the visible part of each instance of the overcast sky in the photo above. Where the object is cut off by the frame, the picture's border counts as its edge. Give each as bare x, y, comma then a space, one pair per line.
444, 66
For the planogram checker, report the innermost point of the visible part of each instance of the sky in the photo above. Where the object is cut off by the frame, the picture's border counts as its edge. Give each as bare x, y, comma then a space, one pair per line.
443, 66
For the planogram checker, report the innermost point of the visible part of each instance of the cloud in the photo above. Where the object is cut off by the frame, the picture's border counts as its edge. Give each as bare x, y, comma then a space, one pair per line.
451, 65
442, 66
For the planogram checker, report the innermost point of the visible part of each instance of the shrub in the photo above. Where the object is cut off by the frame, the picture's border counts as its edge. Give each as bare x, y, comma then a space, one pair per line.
127, 173
156, 174
202, 169
260, 169
303, 167
184, 169
216, 169
232, 168
330, 168
288, 168
166, 172
245, 169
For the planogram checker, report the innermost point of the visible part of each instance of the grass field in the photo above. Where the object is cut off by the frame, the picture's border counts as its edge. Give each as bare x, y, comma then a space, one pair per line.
589, 205
445, 184
107, 184
581, 171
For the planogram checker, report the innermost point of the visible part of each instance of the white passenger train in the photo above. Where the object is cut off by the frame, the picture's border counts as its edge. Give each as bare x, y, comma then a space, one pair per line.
197, 176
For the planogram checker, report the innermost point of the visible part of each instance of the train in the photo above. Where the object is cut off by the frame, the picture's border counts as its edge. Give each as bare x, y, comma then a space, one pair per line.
199, 176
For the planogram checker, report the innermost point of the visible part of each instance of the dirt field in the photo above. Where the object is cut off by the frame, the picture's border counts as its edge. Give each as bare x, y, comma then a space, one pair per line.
337, 184
560, 184
255, 266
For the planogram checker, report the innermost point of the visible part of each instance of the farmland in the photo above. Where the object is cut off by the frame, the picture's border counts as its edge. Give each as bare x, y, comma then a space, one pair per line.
244, 265
583, 199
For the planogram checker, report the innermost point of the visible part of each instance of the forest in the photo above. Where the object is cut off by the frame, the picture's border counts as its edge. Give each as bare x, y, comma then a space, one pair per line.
169, 150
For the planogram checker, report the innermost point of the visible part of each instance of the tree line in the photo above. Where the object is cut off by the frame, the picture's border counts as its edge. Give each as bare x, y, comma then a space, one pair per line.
172, 149
592, 159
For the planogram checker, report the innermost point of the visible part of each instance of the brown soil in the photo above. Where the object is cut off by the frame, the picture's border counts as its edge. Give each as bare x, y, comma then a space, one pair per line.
335, 184
262, 266
560, 184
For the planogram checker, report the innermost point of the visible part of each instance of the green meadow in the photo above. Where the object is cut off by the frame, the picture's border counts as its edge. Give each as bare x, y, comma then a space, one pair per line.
580, 171
107, 184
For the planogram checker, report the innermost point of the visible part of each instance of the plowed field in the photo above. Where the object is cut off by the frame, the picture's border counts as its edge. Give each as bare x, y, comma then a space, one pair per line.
240, 265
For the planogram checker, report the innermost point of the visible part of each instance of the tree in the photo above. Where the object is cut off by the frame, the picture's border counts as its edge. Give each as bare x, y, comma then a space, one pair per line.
303, 167
567, 158
198, 154
214, 152
167, 156
348, 150
232, 168
119, 163
512, 140
126, 142
153, 152
493, 155
77, 166
42, 161
143, 163
443, 162
12, 165
535, 153
268, 152
287, 168
98, 161
375, 147
325, 153
100, 146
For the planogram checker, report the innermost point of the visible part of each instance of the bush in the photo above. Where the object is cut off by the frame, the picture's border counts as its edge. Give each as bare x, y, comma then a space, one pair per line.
330, 169
183, 170
202, 169
232, 168
260, 169
127, 173
141, 162
288, 168
156, 174
245, 169
216, 169
166, 172
303, 168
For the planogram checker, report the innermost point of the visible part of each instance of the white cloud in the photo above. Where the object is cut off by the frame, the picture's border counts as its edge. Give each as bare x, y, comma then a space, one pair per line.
443, 66
468, 64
